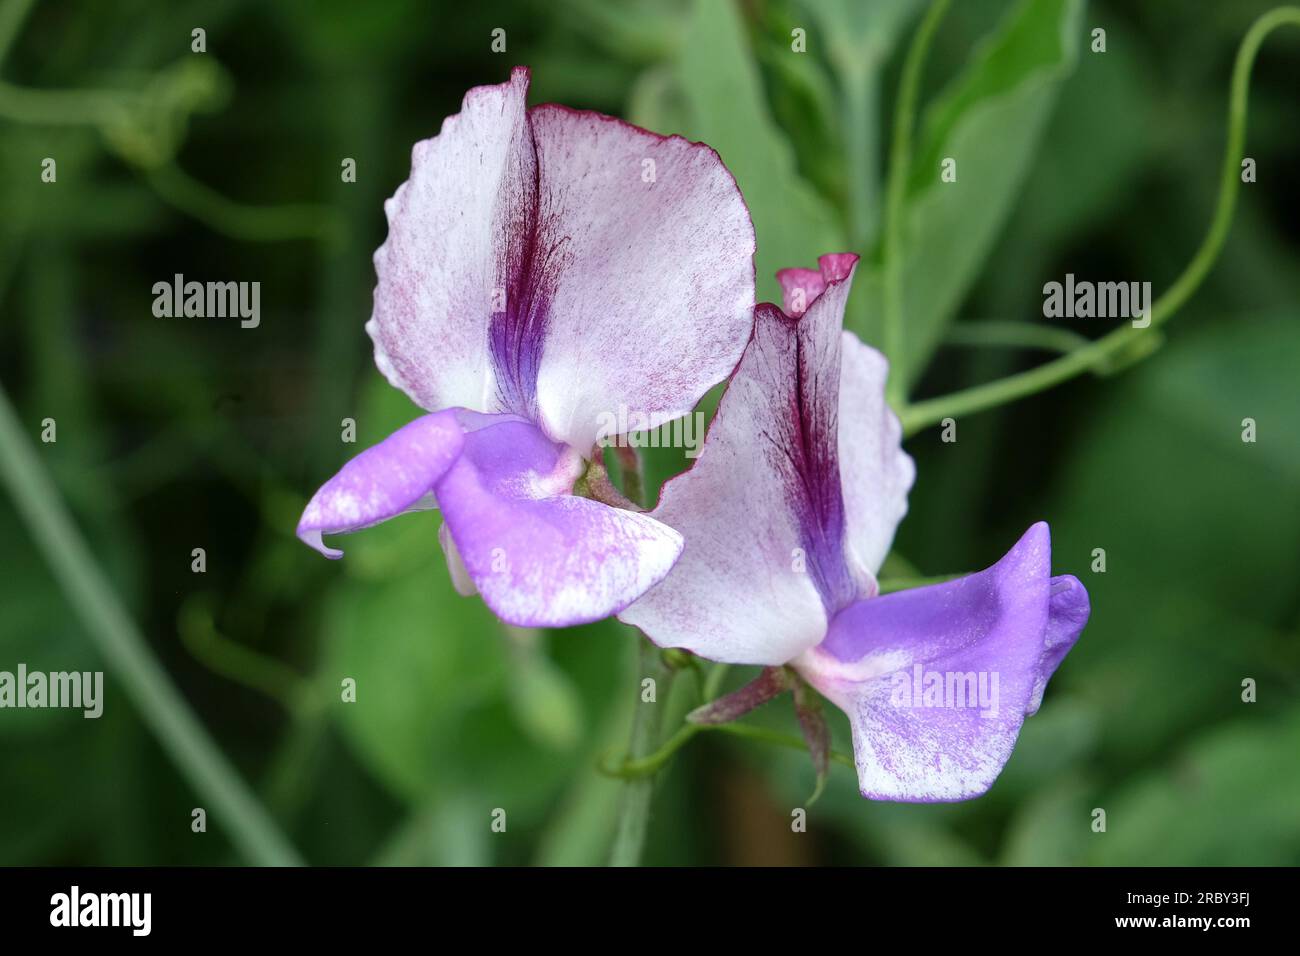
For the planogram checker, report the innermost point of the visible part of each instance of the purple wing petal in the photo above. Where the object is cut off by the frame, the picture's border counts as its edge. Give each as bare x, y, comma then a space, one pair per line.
454, 250
646, 248
542, 557
937, 681
392, 477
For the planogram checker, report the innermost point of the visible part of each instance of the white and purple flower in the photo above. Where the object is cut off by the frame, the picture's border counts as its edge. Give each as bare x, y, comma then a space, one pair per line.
546, 266
543, 268
787, 516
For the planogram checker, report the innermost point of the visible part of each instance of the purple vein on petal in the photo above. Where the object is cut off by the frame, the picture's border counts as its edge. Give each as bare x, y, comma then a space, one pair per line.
805, 446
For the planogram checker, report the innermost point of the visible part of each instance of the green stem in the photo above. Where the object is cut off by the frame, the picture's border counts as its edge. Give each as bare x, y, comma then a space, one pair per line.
859, 113
65, 107
1016, 335
762, 734
240, 221
198, 632
165, 712
629, 466
597, 485
634, 808
900, 163
1098, 354
654, 762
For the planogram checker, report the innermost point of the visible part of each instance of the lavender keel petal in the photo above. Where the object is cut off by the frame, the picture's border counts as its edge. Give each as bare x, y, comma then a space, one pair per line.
540, 556
938, 680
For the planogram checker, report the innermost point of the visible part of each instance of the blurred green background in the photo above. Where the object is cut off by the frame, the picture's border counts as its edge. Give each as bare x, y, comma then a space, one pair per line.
175, 434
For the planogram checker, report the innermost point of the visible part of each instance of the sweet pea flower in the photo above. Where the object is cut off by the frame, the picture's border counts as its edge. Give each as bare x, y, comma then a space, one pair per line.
788, 514
544, 268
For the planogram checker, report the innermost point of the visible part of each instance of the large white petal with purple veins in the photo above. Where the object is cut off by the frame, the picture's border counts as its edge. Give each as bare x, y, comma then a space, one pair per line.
547, 273
652, 249
937, 681
395, 476
738, 593
774, 543
563, 266
760, 509
878, 474
440, 270
542, 557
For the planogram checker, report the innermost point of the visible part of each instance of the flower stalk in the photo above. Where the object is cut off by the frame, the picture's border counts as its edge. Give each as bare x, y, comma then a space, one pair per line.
1101, 353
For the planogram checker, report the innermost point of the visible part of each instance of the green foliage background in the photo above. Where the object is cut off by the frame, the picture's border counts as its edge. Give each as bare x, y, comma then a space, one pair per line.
184, 433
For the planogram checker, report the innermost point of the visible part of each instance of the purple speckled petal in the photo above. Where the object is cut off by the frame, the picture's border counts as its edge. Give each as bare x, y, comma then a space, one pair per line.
562, 266
542, 557
394, 476
937, 681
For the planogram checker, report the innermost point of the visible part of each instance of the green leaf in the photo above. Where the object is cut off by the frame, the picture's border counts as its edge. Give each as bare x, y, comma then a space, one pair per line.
990, 120
423, 658
546, 703
724, 106
1229, 800
1052, 827
1196, 525
858, 40
861, 35
1097, 141
656, 101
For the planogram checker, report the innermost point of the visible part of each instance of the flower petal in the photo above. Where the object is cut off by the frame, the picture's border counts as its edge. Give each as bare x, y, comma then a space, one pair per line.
394, 476
937, 681
444, 268
460, 579
542, 557
801, 287
560, 265
875, 472
652, 245
1066, 616
761, 509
